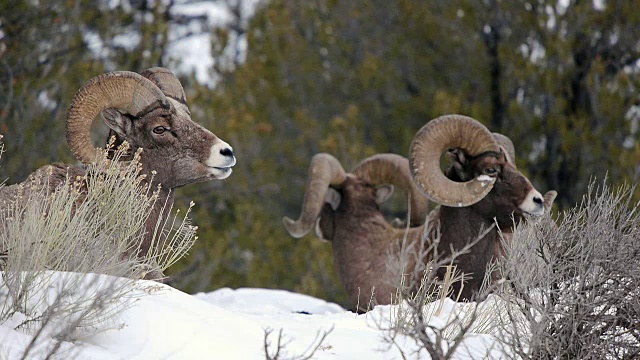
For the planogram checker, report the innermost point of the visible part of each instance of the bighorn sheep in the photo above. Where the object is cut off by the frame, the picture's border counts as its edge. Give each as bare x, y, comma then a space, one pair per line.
149, 111
481, 188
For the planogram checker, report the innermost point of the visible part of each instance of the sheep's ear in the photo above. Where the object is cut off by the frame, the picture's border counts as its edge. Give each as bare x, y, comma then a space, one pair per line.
332, 197
116, 122
458, 161
324, 223
506, 155
457, 158
383, 193
548, 199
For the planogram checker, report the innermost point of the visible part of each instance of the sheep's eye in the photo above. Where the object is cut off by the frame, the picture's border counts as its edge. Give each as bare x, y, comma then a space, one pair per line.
490, 171
159, 130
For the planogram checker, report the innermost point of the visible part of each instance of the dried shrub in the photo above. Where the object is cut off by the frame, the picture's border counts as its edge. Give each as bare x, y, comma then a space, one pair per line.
574, 287
92, 224
422, 297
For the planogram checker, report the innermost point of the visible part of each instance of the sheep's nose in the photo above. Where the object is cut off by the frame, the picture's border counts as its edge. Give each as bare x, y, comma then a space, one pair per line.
226, 152
538, 200
533, 203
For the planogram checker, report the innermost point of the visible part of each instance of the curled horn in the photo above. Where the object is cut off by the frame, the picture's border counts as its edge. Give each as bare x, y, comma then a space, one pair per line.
167, 82
438, 135
125, 91
507, 145
394, 169
324, 170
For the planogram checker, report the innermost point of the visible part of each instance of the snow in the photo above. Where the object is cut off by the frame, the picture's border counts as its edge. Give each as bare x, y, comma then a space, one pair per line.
190, 44
155, 321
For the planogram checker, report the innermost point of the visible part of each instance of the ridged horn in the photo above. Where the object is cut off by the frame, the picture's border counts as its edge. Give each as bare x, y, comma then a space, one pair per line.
507, 144
125, 91
438, 135
167, 82
394, 169
324, 170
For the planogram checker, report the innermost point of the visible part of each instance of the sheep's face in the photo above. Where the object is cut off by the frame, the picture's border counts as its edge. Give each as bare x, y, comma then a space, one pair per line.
352, 199
179, 150
512, 195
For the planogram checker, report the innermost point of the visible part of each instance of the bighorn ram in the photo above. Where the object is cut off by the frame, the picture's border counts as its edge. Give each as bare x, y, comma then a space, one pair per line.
149, 111
482, 187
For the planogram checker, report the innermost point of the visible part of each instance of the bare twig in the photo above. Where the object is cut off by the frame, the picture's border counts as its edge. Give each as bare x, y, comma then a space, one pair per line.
315, 345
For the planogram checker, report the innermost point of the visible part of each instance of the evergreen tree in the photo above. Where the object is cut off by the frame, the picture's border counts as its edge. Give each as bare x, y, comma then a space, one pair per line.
351, 78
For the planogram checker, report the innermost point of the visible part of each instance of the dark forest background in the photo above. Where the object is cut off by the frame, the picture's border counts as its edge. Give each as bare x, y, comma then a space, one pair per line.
348, 77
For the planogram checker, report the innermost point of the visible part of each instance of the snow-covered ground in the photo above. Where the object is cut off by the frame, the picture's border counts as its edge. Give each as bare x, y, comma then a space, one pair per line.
160, 322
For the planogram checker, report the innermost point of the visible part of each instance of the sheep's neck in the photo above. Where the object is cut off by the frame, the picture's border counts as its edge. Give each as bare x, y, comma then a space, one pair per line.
459, 227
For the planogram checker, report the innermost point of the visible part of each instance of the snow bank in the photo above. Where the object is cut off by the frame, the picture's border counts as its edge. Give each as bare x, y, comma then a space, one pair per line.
156, 321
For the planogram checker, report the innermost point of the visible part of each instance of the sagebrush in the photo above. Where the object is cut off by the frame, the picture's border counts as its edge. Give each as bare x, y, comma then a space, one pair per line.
93, 224
574, 286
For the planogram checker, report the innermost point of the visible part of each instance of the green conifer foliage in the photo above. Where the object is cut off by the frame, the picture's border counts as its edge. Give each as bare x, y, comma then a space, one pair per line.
351, 78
